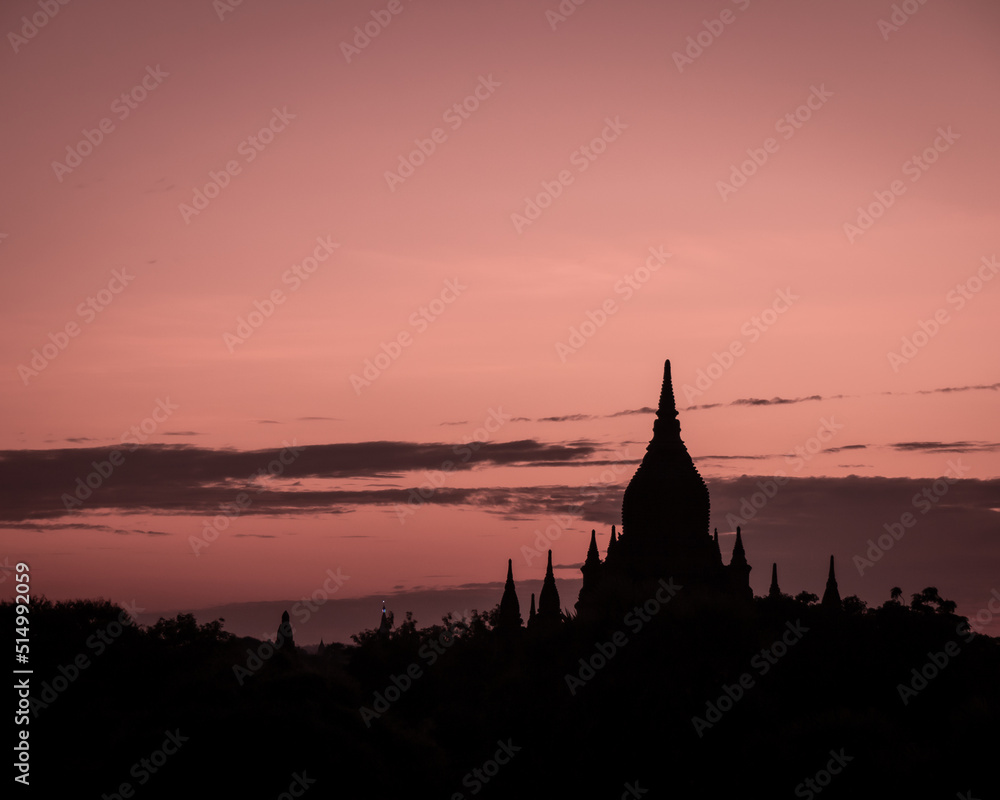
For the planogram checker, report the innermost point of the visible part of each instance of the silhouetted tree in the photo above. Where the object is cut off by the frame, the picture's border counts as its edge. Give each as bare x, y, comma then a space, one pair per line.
184, 629
855, 605
923, 601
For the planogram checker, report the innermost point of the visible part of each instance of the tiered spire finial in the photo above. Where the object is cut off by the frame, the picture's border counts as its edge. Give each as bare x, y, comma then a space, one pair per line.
666, 426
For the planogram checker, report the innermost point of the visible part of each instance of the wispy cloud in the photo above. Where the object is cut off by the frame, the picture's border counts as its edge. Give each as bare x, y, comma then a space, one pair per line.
758, 401
732, 458
948, 447
631, 411
989, 386
781, 401
43, 526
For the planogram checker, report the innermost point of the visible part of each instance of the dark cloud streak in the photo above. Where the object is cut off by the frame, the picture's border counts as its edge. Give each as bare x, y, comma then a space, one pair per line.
189, 479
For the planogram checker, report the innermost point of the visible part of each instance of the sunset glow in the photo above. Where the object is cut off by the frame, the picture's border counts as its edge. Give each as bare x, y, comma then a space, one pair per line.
386, 289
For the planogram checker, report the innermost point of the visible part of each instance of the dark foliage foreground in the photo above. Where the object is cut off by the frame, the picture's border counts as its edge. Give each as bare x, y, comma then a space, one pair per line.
786, 700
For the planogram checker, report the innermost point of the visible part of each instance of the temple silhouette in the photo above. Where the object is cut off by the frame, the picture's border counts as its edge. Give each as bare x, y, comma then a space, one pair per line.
665, 535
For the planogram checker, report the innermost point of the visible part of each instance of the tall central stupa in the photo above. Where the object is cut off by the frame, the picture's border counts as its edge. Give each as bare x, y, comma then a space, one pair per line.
665, 528
665, 509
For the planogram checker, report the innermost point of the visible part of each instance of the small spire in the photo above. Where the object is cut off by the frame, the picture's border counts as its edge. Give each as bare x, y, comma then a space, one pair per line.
591, 570
739, 554
510, 609
385, 625
548, 598
611, 542
531, 611
774, 591
831, 597
739, 570
718, 550
593, 557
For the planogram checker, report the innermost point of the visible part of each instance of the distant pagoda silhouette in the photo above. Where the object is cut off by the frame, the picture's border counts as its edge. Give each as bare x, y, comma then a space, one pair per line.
774, 592
831, 597
549, 615
284, 640
510, 609
385, 624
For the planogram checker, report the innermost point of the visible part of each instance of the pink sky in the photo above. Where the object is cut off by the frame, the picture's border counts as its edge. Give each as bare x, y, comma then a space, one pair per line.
485, 301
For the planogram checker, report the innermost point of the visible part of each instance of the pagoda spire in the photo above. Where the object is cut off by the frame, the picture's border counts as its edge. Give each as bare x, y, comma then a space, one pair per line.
831, 597
548, 598
667, 403
774, 591
611, 542
510, 610
531, 611
718, 550
666, 427
739, 569
386, 624
739, 557
591, 570
593, 556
